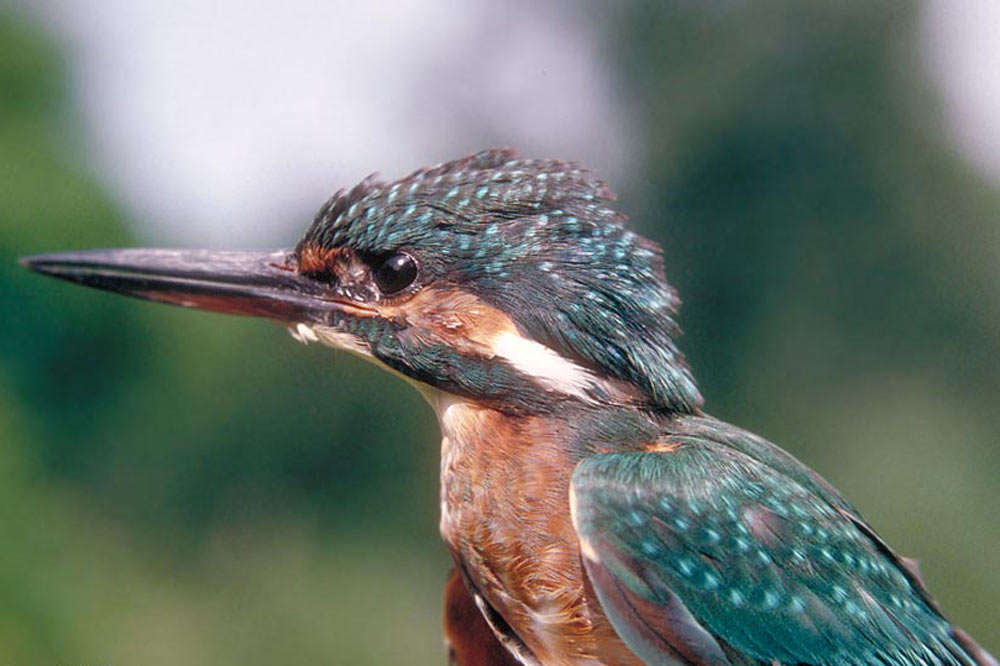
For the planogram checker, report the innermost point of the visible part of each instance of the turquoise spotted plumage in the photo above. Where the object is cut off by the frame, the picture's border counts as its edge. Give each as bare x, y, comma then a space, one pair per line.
752, 556
537, 237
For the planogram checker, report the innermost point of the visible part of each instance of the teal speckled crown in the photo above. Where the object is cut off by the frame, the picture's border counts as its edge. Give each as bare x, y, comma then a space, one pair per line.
537, 239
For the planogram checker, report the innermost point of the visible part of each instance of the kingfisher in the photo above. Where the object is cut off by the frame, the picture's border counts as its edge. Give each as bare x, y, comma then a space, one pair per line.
595, 513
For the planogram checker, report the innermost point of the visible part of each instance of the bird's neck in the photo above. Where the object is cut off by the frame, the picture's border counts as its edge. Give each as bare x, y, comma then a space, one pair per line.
491, 459
505, 512
577, 430
485, 446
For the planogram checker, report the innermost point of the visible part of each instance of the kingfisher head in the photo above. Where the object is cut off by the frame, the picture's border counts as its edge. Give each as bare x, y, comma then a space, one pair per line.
511, 282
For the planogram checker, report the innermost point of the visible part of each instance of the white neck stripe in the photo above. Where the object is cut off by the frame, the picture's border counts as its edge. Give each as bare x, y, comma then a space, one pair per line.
544, 364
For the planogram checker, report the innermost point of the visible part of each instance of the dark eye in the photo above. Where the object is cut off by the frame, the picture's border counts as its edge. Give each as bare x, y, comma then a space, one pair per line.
395, 272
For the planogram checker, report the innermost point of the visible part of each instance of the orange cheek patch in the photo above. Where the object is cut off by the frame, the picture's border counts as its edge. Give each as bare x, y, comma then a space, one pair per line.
455, 317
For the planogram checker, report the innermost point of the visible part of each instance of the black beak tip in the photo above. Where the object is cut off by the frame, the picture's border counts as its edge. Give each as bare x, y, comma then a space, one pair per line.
47, 264
35, 262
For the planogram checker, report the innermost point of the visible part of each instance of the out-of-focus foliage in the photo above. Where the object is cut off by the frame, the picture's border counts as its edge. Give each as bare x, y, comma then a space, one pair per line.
186, 488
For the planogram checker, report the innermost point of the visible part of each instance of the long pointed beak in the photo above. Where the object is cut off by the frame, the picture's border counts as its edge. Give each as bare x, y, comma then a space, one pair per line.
259, 284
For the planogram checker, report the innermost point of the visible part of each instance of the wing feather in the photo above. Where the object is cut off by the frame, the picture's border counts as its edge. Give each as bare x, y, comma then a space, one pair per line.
702, 551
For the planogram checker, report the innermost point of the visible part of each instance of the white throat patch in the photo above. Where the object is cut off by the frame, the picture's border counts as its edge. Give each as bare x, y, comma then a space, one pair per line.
330, 337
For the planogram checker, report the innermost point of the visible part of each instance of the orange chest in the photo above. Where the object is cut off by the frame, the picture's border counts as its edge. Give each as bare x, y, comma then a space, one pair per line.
505, 517
504, 491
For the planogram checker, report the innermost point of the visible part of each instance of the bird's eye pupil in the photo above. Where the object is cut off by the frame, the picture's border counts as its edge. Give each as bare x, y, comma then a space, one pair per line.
395, 272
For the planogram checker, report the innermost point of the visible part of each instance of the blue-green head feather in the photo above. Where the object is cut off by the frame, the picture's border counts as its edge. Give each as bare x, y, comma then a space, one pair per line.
539, 240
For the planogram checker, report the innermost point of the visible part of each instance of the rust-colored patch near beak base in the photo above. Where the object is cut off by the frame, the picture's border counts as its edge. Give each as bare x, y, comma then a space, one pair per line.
313, 258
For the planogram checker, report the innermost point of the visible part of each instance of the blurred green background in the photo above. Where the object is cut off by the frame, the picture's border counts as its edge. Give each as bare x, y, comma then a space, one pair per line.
180, 487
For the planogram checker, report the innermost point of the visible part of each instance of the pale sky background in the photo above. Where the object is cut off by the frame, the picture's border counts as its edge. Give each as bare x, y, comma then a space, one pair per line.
962, 45
228, 123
